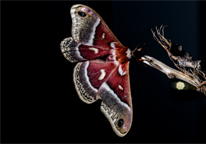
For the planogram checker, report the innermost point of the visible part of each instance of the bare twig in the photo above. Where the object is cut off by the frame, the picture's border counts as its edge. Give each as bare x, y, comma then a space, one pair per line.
172, 73
189, 70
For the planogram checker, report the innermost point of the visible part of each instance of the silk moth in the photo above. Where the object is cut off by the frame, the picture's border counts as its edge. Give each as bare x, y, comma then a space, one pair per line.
102, 69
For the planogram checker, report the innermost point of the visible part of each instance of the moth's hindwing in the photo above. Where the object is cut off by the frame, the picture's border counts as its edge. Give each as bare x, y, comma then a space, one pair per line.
89, 76
116, 100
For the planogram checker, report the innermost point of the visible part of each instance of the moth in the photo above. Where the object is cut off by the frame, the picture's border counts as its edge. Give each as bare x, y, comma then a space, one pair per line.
102, 69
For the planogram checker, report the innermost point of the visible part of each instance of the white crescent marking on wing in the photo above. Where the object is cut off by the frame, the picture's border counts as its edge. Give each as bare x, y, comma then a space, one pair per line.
120, 87
103, 35
103, 74
121, 71
112, 45
94, 49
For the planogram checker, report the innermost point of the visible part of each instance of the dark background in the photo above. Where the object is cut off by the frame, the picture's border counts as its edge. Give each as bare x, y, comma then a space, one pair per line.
39, 102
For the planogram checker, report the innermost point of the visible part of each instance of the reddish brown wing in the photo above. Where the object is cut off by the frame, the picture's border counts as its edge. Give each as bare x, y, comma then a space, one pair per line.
75, 51
116, 100
91, 37
119, 82
87, 25
89, 76
97, 79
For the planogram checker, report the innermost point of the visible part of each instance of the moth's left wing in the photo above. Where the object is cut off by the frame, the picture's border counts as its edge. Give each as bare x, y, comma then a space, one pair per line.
108, 81
116, 100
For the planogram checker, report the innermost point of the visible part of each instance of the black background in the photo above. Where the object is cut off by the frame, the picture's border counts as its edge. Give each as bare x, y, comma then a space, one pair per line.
39, 102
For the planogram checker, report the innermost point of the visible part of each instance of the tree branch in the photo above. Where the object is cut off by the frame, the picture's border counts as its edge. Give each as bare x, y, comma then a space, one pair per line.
172, 73
189, 70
